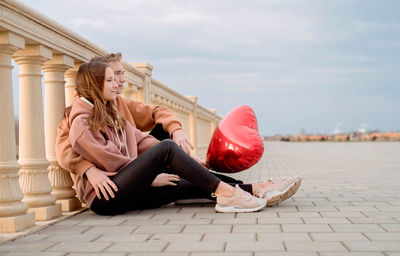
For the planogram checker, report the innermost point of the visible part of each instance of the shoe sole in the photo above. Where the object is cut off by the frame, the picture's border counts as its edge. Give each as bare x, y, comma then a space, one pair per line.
289, 192
195, 201
231, 209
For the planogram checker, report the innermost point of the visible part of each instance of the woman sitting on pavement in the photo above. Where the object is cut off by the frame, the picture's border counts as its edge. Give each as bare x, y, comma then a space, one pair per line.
132, 160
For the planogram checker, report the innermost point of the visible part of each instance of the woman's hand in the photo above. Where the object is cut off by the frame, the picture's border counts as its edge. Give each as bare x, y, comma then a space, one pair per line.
101, 183
180, 138
165, 179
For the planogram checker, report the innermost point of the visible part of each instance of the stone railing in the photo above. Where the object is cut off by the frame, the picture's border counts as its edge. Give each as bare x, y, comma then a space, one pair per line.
34, 187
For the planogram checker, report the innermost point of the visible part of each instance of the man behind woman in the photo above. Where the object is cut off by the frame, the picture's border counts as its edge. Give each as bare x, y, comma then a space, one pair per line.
136, 170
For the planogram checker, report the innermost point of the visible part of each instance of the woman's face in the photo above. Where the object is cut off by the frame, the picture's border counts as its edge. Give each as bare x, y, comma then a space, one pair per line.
110, 85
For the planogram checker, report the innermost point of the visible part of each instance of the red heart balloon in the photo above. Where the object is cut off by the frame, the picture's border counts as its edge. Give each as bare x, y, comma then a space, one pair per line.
236, 144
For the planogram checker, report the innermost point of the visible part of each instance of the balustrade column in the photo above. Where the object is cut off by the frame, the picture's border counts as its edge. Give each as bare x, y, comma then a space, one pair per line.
213, 121
13, 213
129, 91
70, 83
60, 179
144, 93
34, 179
193, 124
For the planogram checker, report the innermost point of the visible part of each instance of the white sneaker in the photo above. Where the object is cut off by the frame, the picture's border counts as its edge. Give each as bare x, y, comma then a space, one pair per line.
279, 190
241, 201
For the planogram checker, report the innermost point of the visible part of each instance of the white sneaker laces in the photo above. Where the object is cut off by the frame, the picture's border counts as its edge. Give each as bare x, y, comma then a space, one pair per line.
272, 180
245, 195
276, 179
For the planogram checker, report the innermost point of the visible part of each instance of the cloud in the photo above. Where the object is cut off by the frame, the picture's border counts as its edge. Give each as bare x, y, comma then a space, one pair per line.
300, 64
363, 128
337, 128
96, 23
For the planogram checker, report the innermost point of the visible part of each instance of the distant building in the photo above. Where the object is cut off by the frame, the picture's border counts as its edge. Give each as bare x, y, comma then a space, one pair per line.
353, 136
339, 137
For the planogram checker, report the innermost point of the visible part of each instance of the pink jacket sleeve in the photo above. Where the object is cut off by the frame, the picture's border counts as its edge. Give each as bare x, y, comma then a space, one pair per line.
144, 142
66, 156
93, 146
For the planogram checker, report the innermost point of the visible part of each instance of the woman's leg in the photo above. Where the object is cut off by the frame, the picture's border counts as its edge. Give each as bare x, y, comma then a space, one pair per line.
232, 181
158, 196
134, 179
197, 194
193, 192
142, 171
159, 133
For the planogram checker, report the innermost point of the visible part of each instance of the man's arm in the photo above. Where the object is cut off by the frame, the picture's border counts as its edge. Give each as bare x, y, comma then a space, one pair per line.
146, 116
66, 156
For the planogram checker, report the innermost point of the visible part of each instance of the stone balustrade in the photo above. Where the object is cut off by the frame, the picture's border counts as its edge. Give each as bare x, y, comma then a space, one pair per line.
34, 187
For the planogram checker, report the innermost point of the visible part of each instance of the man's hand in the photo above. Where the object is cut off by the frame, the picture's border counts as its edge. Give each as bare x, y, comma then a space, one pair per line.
101, 183
180, 138
164, 179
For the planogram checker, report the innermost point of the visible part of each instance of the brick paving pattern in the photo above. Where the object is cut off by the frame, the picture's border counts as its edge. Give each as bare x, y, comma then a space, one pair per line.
348, 204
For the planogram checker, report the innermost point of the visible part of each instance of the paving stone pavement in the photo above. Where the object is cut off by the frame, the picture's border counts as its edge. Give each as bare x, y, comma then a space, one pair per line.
348, 204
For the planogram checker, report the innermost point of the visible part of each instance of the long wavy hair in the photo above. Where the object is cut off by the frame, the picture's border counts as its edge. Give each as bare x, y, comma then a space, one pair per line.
90, 85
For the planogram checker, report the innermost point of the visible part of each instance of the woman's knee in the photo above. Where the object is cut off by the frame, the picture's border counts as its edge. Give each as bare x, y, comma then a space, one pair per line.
168, 144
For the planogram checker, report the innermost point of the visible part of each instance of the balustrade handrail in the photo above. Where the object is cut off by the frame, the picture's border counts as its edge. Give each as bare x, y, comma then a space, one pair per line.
32, 24
170, 94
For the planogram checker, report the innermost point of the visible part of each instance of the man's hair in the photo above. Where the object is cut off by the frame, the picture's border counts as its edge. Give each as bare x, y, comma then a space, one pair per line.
111, 57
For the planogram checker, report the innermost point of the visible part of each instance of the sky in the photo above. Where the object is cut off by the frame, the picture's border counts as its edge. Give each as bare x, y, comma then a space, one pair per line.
313, 66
